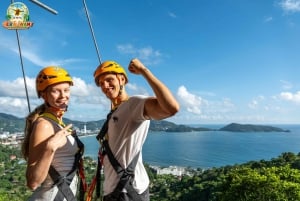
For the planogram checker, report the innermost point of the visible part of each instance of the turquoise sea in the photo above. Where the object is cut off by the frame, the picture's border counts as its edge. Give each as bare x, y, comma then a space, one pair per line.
209, 149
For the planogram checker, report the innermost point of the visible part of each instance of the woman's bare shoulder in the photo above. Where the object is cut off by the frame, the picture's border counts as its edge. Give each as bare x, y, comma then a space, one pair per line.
43, 128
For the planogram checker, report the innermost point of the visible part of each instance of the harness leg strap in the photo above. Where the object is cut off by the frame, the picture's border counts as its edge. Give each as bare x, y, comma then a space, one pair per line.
63, 185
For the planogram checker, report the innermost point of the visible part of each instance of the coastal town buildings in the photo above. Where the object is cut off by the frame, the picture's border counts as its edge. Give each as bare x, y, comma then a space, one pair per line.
16, 139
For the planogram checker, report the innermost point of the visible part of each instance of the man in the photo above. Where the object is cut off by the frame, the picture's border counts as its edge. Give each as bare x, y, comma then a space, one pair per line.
128, 125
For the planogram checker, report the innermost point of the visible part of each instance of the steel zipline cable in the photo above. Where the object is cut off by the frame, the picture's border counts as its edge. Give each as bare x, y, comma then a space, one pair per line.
44, 6
23, 71
91, 28
22, 67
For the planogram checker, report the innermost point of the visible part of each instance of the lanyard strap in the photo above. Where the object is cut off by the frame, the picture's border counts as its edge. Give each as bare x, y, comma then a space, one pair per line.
52, 117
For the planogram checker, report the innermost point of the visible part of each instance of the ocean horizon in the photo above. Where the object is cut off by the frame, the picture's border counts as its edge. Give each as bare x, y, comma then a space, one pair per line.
208, 149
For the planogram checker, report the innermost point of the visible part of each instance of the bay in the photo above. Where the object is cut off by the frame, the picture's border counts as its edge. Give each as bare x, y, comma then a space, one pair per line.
207, 149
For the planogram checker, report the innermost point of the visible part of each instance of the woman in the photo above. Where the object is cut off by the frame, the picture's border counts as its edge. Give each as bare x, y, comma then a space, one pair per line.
51, 150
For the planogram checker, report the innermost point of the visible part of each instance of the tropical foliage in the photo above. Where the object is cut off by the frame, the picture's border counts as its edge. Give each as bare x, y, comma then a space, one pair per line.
276, 180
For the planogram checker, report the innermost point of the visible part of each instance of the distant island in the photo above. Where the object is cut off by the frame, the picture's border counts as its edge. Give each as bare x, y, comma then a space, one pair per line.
12, 124
234, 127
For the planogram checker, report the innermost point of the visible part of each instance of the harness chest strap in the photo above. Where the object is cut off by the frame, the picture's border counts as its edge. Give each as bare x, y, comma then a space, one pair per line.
96, 182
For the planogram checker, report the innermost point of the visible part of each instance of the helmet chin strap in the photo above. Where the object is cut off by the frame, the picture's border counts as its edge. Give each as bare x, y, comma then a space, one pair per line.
58, 111
116, 102
120, 92
119, 99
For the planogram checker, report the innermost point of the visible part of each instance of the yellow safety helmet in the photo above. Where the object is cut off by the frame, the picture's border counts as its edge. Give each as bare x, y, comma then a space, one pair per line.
109, 67
51, 75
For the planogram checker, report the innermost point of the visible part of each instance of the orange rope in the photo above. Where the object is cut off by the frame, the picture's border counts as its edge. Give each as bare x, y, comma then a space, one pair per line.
94, 181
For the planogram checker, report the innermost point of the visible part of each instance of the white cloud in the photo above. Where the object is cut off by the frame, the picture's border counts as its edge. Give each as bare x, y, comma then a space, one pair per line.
255, 103
147, 54
189, 101
34, 58
268, 19
127, 49
290, 5
134, 89
288, 96
226, 105
80, 88
16, 88
286, 84
172, 15
14, 106
195, 108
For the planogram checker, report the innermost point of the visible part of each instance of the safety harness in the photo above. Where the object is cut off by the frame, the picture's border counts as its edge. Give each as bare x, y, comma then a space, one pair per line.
63, 182
126, 175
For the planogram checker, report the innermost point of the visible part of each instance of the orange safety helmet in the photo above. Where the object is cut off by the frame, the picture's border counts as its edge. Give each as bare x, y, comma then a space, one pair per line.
51, 75
109, 67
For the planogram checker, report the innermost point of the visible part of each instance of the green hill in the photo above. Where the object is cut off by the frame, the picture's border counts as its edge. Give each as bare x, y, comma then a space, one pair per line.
12, 124
234, 127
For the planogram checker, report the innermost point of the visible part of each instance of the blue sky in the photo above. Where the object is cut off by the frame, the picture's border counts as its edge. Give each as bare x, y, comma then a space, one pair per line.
225, 61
